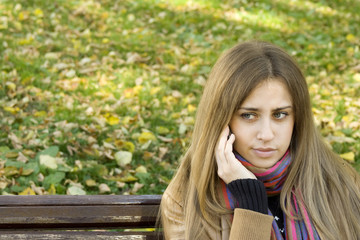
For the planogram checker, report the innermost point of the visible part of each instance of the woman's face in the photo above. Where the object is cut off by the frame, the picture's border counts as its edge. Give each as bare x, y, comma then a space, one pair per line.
263, 124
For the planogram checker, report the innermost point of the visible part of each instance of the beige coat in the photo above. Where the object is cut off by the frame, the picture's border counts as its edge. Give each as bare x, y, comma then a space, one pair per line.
250, 225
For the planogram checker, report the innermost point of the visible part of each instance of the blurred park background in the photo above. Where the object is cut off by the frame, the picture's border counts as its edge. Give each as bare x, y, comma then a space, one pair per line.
100, 96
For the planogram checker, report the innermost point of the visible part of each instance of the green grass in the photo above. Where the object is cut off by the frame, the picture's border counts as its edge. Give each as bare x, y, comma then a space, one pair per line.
83, 80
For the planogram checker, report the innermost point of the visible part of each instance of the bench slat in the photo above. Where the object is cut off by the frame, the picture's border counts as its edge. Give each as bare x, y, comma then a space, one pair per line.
47, 235
63, 200
79, 216
69, 217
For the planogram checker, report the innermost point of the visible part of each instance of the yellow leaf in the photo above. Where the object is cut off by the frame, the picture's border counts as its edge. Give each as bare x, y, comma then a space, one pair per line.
11, 86
25, 41
330, 67
104, 15
351, 38
90, 183
11, 155
170, 66
23, 15
175, 115
155, 90
170, 100
10, 171
128, 178
128, 93
137, 89
147, 155
40, 114
191, 108
145, 137
350, 51
126, 120
52, 189
112, 120
346, 119
28, 191
338, 134
349, 156
27, 172
162, 130
12, 110
357, 77
141, 169
129, 146
38, 13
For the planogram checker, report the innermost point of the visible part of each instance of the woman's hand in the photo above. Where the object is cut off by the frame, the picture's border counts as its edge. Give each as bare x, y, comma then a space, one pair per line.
229, 168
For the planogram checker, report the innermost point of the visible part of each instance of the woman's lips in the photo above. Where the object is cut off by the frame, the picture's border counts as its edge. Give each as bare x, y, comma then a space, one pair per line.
264, 152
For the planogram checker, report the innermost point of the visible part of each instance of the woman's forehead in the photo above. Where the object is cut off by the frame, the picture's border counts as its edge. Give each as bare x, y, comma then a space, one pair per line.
271, 93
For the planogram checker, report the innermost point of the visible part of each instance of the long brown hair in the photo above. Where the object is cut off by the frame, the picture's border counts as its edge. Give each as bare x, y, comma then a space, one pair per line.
328, 186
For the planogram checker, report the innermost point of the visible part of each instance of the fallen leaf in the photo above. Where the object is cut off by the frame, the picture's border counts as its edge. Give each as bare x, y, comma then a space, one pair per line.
16, 142
349, 156
26, 172
11, 155
162, 130
90, 183
27, 191
137, 187
145, 137
112, 120
162, 152
10, 171
123, 157
148, 155
3, 184
120, 184
128, 178
104, 188
12, 110
75, 190
52, 190
48, 161
22, 158
108, 145
141, 169
182, 128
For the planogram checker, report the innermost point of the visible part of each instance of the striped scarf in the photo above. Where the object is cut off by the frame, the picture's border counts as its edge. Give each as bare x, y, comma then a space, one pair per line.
273, 180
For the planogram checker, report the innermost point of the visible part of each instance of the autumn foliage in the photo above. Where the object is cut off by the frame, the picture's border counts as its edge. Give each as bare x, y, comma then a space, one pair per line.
99, 97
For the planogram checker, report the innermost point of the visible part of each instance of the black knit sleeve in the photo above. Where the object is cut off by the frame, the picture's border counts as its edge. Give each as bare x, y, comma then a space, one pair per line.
250, 194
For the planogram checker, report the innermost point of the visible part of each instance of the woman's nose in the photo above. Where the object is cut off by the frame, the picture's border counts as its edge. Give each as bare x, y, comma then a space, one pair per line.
265, 132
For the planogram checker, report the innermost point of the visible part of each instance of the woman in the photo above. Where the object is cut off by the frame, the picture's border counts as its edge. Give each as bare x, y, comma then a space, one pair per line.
257, 167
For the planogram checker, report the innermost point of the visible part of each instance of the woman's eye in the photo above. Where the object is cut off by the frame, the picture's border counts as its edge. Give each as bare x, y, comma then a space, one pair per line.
280, 115
248, 116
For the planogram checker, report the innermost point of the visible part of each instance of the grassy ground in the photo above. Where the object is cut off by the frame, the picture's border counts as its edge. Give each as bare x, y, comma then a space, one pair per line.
99, 97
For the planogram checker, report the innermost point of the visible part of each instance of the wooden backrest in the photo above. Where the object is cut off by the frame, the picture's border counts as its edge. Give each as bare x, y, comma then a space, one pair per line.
57, 214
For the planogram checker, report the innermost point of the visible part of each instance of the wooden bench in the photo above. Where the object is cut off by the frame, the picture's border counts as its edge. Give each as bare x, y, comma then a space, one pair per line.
79, 217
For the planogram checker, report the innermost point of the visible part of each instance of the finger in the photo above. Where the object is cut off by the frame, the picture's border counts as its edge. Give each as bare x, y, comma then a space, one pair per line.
229, 155
223, 137
220, 149
221, 144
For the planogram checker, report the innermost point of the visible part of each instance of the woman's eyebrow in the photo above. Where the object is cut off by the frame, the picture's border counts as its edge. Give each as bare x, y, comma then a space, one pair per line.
249, 109
282, 108
257, 109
